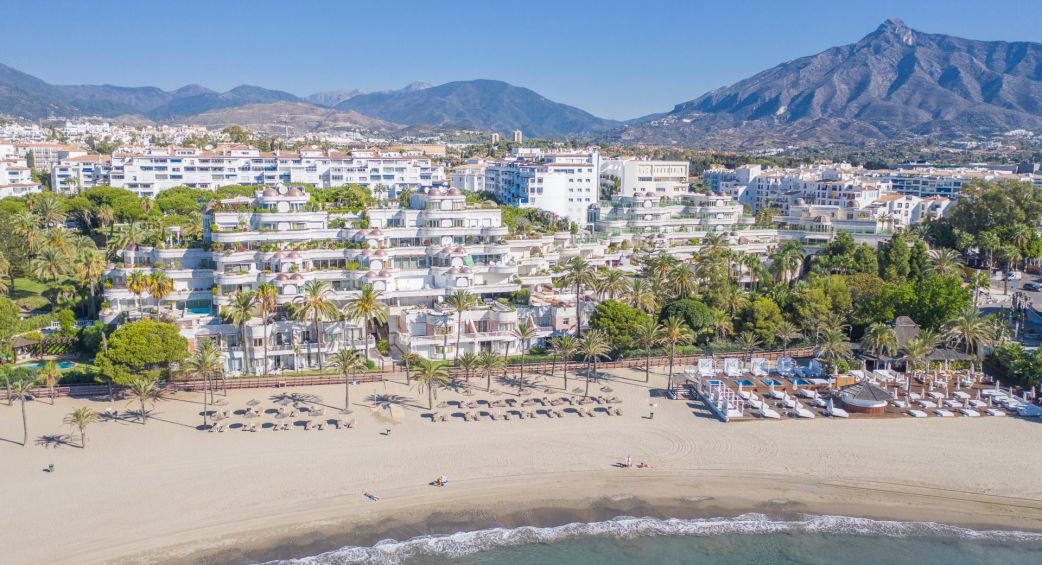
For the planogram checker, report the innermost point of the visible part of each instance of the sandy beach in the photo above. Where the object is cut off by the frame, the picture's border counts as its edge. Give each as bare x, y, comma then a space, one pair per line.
168, 492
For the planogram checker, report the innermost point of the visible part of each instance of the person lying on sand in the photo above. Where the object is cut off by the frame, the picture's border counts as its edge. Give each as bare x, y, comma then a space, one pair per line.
440, 481
370, 495
643, 465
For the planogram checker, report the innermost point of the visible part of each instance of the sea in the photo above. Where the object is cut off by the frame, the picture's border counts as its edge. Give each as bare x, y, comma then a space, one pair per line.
749, 538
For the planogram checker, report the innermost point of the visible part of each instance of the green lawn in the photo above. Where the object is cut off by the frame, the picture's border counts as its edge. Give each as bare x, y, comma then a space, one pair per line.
28, 287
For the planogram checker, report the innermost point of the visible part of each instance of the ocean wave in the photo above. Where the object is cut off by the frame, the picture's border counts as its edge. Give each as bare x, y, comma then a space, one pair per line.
625, 527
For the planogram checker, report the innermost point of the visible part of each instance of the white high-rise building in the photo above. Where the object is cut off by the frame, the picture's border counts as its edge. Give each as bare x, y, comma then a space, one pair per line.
563, 183
662, 178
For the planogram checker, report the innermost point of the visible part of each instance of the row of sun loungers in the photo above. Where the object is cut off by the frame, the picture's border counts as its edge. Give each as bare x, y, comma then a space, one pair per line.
529, 414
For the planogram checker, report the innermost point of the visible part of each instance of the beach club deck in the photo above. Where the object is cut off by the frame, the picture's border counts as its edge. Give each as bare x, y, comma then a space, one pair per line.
733, 390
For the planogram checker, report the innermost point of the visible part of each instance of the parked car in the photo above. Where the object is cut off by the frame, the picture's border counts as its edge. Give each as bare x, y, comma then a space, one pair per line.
1032, 287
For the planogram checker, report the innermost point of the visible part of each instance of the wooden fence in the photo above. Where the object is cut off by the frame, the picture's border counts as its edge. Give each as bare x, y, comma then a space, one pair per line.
279, 381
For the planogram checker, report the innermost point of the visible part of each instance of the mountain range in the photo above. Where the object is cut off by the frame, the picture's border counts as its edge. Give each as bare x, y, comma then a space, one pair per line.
893, 83
476, 104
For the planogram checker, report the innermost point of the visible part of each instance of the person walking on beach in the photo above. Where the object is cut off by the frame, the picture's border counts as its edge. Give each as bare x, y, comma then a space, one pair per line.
629, 461
370, 495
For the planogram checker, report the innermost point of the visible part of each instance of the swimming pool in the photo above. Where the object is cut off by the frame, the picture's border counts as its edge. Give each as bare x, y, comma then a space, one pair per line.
745, 382
799, 382
39, 365
769, 382
198, 310
714, 382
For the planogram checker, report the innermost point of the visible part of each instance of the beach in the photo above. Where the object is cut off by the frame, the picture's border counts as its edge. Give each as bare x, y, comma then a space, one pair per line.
168, 492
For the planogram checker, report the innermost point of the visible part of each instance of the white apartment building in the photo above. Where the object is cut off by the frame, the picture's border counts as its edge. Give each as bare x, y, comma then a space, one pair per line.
759, 188
413, 256
566, 184
665, 178
46, 155
431, 332
15, 177
469, 177
75, 174
148, 171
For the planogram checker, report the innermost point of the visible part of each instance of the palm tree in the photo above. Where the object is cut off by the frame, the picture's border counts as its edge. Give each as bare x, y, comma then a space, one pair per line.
137, 284
915, 353
643, 296
787, 332
722, 324
565, 347
578, 274
106, 217
349, 363
144, 390
611, 283
430, 375
266, 299
367, 307
945, 261
979, 280
647, 335
787, 260
133, 234
683, 281
80, 418
50, 375
675, 332
23, 390
50, 264
593, 347
970, 329
316, 305
880, 340
159, 287
832, 347
523, 334
488, 363
460, 301
468, 362
206, 361
748, 341
49, 210
240, 311
5, 274
90, 267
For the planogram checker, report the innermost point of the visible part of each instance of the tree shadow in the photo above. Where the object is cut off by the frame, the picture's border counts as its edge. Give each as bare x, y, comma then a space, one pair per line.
296, 397
55, 440
386, 401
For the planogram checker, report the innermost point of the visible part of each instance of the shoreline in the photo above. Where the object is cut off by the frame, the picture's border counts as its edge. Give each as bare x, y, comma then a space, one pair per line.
496, 503
167, 492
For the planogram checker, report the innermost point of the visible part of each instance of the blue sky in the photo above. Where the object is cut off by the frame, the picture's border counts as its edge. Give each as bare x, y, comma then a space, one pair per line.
615, 59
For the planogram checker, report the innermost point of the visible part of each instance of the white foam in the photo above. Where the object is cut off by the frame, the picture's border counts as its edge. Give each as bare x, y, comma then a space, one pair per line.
467, 543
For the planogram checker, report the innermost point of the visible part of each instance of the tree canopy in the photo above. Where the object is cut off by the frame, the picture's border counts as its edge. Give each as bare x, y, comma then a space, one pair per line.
142, 348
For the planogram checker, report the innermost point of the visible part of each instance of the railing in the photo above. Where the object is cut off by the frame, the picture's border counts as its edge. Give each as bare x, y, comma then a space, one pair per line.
291, 380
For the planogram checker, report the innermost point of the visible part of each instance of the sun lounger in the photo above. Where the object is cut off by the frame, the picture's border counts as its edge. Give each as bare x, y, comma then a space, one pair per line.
285, 426
899, 403
618, 411
943, 413
212, 429
953, 404
307, 425
801, 412
994, 412
836, 412
917, 413
969, 412
591, 413
927, 404
766, 412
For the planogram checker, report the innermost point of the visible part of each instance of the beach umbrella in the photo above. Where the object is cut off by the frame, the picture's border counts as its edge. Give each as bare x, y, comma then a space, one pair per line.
253, 402
285, 401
